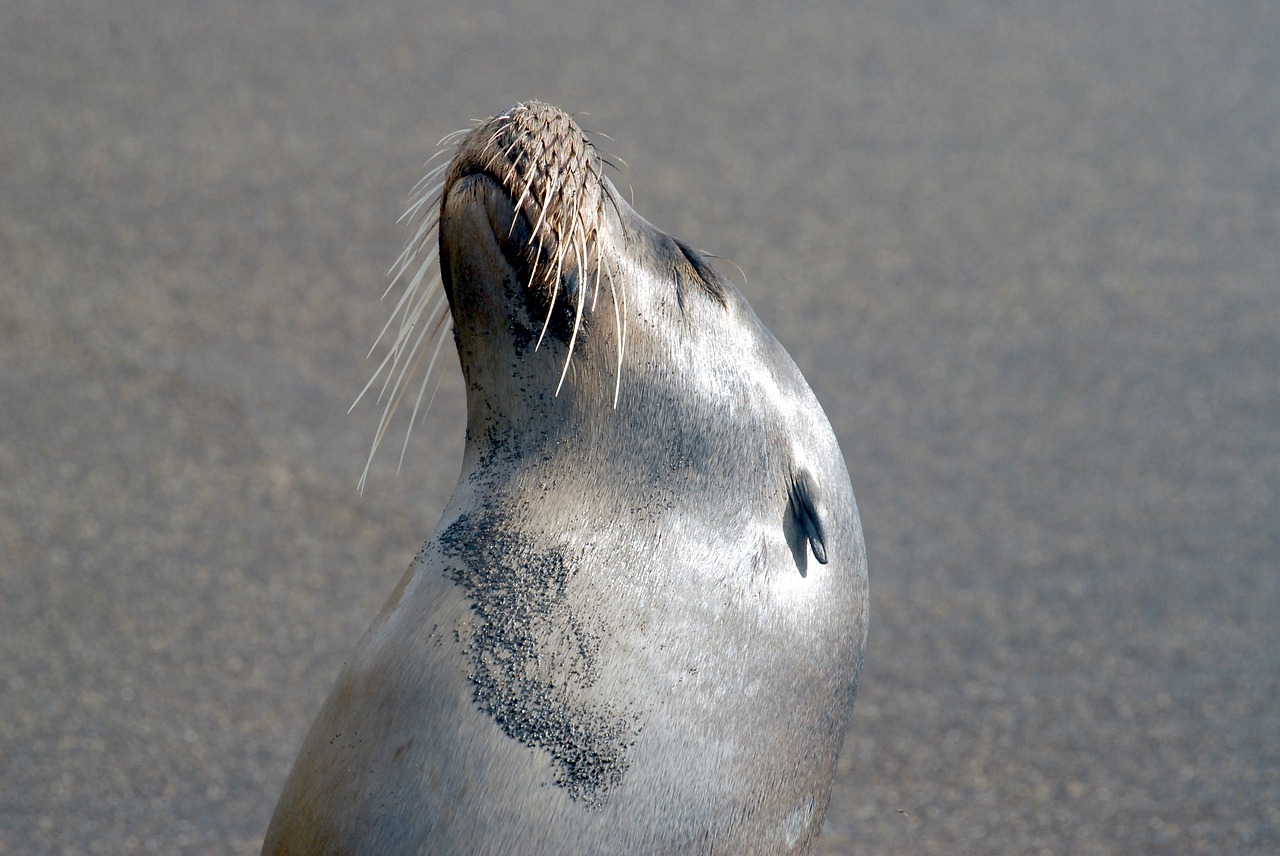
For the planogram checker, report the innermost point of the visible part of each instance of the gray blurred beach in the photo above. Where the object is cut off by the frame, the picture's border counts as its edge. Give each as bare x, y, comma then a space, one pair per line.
1027, 255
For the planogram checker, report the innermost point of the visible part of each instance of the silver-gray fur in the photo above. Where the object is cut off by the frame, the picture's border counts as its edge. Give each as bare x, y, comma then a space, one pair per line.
639, 625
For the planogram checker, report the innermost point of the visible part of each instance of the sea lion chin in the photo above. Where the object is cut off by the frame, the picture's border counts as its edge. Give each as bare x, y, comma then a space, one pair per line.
639, 624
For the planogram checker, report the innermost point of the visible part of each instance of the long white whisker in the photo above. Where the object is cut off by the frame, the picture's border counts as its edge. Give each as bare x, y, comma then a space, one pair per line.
620, 326
426, 376
409, 292
413, 247
422, 199
555, 290
524, 194
581, 252
542, 215
422, 306
435, 306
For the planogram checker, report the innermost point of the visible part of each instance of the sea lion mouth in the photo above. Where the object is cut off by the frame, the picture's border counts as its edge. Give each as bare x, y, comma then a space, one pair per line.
531, 256
512, 231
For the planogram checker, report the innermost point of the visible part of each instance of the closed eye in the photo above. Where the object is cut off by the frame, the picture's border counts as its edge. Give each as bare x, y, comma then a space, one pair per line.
699, 272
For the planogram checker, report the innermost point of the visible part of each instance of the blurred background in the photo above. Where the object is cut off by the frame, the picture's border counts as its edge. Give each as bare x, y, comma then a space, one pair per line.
1026, 254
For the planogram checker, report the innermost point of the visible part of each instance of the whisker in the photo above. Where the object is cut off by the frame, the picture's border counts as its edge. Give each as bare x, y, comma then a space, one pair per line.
555, 290
426, 376
581, 251
422, 306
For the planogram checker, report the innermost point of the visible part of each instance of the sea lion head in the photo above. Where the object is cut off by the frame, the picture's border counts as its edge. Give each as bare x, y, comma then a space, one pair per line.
580, 324
537, 242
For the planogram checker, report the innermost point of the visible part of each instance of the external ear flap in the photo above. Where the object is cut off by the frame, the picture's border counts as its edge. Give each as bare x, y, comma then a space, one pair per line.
809, 507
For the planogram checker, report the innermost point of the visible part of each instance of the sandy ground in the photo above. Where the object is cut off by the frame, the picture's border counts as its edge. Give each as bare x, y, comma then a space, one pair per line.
1029, 261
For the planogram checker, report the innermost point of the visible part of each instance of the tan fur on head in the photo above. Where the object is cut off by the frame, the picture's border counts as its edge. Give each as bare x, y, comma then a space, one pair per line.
553, 175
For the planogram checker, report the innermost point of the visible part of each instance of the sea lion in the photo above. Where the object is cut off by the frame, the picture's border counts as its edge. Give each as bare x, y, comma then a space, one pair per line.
639, 625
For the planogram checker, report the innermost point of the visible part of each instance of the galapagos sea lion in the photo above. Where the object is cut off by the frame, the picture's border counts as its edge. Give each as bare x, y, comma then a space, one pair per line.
639, 625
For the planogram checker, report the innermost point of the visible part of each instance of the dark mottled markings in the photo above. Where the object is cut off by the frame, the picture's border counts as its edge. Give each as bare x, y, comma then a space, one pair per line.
535, 658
